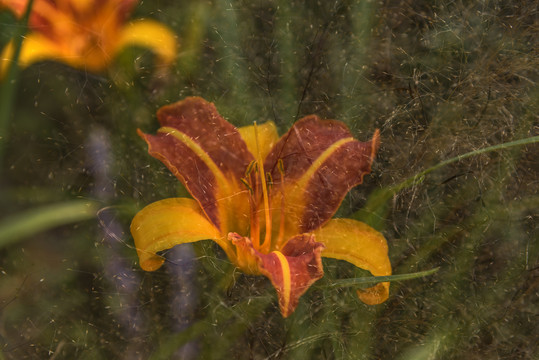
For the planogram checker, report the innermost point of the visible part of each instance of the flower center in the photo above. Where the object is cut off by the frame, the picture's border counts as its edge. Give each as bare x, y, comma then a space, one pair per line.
259, 183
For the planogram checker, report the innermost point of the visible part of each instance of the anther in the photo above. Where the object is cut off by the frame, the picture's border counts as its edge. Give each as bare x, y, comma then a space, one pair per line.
247, 185
280, 166
269, 180
250, 167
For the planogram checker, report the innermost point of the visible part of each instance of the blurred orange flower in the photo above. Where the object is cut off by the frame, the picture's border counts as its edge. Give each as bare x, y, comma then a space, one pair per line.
85, 34
267, 201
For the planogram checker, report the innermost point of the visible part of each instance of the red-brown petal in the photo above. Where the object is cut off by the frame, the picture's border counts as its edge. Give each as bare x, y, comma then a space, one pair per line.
325, 151
199, 119
292, 270
187, 166
204, 151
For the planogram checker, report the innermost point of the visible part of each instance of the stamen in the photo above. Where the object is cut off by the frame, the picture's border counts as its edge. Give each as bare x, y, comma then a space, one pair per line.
267, 239
253, 194
255, 225
269, 180
280, 166
250, 167
253, 202
246, 183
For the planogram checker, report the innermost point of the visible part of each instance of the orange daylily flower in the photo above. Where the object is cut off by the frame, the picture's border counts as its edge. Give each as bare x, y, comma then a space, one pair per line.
267, 201
85, 34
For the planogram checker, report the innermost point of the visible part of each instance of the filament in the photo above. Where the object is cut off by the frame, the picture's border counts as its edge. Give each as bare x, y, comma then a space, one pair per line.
280, 237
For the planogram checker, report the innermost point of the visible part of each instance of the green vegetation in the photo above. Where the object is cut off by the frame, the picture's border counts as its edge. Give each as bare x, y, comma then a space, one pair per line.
453, 88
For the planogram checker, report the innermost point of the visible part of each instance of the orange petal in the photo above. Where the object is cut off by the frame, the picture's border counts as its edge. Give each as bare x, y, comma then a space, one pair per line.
166, 223
35, 47
16, 6
151, 35
291, 271
361, 245
321, 162
208, 155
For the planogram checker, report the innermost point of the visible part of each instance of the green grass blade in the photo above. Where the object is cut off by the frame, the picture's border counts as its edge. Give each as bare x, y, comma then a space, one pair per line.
16, 227
375, 210
376, 279
420, 176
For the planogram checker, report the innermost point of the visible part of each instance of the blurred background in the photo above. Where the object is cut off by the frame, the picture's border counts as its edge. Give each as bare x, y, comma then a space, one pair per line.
438, 78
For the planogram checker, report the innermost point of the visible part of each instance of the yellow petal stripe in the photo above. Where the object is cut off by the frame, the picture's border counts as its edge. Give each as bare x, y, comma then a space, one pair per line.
306, 177
199, 151
295, 192
225, 189
152, 35
286, 281
166, 223
267, 137
361, 245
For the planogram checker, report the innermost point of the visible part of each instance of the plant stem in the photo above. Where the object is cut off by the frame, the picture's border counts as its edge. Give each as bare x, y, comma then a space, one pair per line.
8, 87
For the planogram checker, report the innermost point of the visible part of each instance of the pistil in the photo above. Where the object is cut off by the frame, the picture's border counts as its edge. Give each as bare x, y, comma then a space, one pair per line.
254, 229
265, 246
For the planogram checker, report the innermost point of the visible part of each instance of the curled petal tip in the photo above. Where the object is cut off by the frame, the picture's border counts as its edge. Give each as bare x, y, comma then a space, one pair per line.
151, 264
374, 295
361, 245
167, 223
